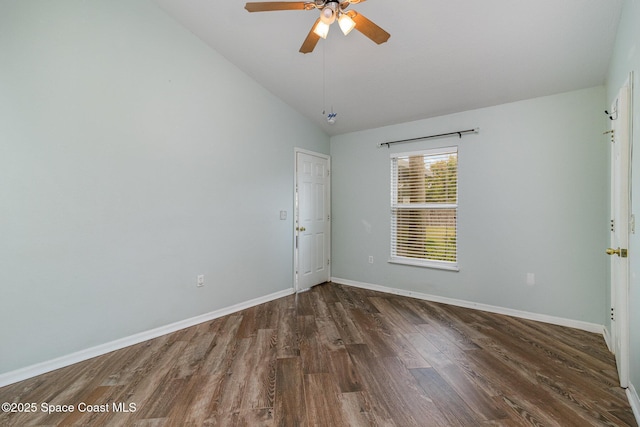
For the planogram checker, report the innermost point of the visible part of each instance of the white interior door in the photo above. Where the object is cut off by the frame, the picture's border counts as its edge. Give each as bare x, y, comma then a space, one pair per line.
620, 203
312, 220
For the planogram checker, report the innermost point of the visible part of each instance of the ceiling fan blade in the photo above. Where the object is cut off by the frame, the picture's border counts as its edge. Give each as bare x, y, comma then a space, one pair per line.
266, 6
368, 28
311, 41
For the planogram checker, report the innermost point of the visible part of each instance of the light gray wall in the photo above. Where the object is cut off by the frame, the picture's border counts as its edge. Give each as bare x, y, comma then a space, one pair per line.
132, 159
532, 199
626, 58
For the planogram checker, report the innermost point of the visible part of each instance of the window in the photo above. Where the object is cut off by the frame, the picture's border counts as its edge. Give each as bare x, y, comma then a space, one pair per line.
424, 208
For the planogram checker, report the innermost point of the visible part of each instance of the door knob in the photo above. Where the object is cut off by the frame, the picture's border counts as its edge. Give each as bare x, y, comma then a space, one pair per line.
620, 252
301, 229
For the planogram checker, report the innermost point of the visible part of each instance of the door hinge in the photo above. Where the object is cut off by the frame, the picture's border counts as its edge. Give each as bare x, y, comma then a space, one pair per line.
612, 132
613, 317
328, 172
328, 262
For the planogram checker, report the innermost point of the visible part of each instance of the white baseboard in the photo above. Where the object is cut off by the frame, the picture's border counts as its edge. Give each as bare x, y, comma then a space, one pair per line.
576, 324
634, 401
79, 356
607, 339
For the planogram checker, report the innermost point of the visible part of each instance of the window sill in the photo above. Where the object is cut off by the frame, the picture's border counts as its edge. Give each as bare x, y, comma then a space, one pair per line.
449, 266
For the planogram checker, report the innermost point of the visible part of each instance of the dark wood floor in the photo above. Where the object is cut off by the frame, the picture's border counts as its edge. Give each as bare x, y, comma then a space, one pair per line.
340, 356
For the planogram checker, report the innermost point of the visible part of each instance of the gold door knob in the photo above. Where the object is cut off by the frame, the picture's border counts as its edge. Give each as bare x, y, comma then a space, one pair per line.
622, 253
301, 229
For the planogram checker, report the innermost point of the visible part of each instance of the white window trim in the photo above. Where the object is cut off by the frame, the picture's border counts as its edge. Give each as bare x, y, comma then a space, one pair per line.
439, 265
435, 264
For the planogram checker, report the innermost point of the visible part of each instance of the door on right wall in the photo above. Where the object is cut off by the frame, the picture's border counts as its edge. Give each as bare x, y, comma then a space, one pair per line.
620, 114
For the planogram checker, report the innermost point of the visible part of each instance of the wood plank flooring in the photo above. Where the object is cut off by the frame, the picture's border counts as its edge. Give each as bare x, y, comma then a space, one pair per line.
339, 356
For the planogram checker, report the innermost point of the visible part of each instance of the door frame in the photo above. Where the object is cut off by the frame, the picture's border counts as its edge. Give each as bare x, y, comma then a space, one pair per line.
296, 284
619, 280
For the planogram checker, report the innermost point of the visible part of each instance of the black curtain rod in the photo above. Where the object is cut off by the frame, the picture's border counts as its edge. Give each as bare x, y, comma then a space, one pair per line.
441, 135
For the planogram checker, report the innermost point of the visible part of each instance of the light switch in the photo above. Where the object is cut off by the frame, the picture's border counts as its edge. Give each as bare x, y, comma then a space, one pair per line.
283, 215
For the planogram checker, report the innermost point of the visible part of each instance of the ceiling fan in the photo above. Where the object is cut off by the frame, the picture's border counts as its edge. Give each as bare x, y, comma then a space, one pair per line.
330, 11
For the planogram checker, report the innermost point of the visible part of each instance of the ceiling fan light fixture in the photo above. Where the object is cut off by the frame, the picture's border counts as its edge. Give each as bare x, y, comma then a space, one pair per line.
328, 13
321, 29
346, 23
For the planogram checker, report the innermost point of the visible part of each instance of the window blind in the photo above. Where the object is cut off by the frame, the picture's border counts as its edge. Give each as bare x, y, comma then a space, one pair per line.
424, 207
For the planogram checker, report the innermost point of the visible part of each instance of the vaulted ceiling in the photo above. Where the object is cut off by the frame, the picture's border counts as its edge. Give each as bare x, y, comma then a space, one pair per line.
442, 57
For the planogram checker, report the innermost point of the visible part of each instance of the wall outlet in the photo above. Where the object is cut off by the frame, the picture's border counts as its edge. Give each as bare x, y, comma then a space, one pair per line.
531, 279
200, 281
370, 259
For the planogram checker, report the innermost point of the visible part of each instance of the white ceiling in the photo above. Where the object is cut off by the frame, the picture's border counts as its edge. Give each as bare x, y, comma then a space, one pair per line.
442, 57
